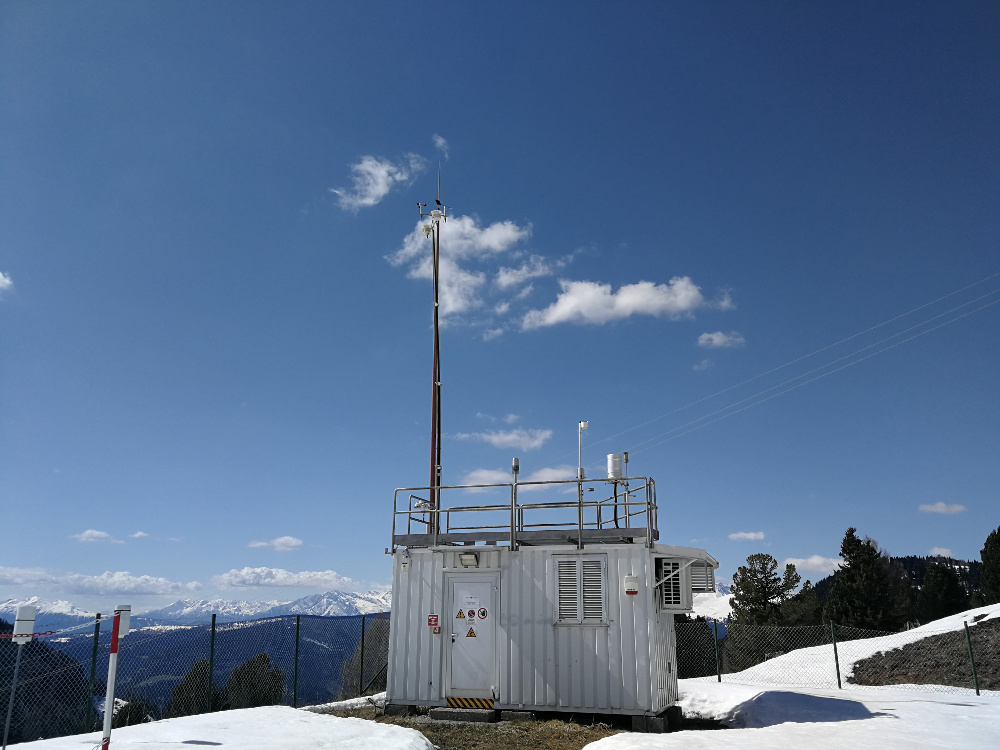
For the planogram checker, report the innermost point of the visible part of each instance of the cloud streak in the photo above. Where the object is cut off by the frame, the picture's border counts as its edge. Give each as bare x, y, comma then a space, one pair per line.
747, 535
525, 440
93, 535
815, 564
281, 544
720, 340
280, 578
943, 508
6, 282
374, 178
588, 302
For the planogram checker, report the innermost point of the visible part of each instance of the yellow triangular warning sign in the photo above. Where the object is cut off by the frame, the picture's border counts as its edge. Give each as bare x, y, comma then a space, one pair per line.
471, 633
460, 615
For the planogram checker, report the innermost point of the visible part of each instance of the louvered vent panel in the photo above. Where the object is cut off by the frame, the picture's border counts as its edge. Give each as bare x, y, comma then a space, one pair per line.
568, 591
702, 577
593, 590
671, 588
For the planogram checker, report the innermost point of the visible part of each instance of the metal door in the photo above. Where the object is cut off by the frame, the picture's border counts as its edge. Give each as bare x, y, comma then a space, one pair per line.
473, 616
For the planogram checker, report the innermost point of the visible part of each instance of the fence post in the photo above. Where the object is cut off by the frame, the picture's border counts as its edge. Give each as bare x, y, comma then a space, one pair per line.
295, 668
361, 671
88, 714
211, 666
718, 665
972, 660
836, 657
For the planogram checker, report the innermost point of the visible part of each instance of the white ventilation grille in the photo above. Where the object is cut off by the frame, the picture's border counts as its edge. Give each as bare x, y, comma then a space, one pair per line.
702, 577
670, 589
581, 590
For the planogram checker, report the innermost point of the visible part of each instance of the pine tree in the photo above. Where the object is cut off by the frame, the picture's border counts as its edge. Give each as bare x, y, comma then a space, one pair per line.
255, 682
758, 592
941, 595
190, 696
804, 608
989, 582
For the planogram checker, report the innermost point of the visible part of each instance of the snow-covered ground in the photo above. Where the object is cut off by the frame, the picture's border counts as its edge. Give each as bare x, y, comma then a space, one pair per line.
269, 728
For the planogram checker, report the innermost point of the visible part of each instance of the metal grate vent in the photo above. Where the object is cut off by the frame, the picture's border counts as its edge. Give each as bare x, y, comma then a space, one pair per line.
670, 589
593, 590
569, 591
702, 577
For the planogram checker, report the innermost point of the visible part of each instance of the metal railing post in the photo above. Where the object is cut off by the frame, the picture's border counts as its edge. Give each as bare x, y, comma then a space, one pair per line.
211, 666
836, 657
88, 714
718, 664
295, 667
972, 660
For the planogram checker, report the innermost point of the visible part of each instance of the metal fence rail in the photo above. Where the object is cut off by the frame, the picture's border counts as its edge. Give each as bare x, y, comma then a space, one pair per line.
836, 656
179, 670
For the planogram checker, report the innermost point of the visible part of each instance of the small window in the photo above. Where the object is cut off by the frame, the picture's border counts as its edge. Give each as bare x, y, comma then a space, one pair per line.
580, 590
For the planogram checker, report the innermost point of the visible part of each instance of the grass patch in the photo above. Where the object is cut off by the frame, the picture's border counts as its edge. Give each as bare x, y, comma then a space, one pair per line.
529, 735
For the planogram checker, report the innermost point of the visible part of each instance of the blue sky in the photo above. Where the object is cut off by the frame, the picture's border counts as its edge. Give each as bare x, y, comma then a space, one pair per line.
756, 245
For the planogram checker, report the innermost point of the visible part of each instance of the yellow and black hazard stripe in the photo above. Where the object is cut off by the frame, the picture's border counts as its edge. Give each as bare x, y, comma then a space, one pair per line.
470, 703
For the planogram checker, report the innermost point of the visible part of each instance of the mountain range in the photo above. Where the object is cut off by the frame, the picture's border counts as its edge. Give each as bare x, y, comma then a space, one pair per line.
59, 615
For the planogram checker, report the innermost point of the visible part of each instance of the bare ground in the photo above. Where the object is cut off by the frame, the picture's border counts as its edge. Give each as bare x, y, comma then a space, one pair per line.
938, 660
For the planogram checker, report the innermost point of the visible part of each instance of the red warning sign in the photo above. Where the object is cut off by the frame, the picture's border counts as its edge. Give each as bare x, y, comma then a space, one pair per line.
483, 613
436, 630
432, 621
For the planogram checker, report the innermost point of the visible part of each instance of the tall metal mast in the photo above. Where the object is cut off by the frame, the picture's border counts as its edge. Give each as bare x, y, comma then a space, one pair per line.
433, 231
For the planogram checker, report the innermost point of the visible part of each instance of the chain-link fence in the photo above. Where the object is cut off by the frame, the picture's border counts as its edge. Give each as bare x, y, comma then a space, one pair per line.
832, 656
179, 670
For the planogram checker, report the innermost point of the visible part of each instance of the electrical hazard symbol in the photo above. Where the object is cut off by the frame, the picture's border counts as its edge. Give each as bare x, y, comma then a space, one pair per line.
460, 615
471, 633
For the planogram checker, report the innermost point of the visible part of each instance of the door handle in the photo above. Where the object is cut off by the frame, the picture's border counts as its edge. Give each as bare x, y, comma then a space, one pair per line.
452, 637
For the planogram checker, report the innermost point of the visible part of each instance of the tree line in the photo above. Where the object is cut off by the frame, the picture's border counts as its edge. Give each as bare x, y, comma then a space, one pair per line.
870, 590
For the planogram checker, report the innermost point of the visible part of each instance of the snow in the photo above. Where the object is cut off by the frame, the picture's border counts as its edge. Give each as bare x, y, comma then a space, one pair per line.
715, 606
815, 665
269, 728
365, 702
787, 717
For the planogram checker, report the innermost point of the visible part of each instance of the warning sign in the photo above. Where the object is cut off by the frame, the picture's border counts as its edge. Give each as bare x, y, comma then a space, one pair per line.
460, 615
482, 613
471, 633
432, 620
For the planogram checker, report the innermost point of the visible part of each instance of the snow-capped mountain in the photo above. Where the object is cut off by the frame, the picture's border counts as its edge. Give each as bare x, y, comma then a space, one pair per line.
335, 603
717, 606
200, 610
51, 615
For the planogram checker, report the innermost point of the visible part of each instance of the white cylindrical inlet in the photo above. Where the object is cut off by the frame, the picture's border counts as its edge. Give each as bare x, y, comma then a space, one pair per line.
614, 466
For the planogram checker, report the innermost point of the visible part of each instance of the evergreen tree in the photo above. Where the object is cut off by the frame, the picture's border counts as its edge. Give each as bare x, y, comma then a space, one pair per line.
941, 595
255, 682
869, 591
135, 710
804, 608
758, 592
989, 585
191, 694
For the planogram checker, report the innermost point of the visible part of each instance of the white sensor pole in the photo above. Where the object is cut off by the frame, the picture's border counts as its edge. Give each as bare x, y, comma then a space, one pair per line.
24, 628
119, 629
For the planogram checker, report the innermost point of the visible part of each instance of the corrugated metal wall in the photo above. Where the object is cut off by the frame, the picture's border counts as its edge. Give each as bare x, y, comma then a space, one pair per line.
625, 665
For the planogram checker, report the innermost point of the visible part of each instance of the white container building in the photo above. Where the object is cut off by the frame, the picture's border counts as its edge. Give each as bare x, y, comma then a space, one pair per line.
544, 596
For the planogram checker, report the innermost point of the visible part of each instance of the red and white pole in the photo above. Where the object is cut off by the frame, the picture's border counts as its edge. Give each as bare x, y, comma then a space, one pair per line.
119, 629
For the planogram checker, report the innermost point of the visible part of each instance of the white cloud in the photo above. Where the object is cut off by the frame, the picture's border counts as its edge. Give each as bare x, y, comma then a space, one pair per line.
254, 577
815, 564
720, 340
92, 535
523, 294
501, 308
534, 267
491, 333
374, 178
123, 582
6, 282
463, 242
702, 366
281, 544
944, 508
138, 535
749, 535
24, 576
497, 476
441, 145
525, 440
590, 302
511, 418
940, 552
